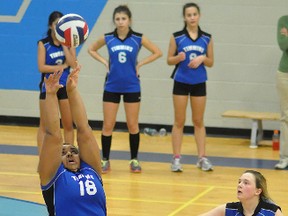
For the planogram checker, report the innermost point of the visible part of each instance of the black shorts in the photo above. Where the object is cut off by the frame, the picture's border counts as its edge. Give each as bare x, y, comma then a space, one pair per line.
115, 97
196, 90
61, 94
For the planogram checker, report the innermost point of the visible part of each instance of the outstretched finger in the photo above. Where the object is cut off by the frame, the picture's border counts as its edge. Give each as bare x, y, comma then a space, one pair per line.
76, 71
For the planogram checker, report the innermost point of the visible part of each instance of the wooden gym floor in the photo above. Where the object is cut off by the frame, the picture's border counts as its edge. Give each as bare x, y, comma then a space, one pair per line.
155, 191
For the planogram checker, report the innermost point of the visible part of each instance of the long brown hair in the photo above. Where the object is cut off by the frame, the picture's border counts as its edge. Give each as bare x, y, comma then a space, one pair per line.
261, 183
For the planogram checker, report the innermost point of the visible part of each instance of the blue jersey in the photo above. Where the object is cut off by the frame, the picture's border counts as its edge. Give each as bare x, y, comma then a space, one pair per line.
54, 56
263, 208
75, 193
122, 76
192, 48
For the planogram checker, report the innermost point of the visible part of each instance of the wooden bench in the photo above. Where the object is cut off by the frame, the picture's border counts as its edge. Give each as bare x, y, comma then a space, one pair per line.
257, 126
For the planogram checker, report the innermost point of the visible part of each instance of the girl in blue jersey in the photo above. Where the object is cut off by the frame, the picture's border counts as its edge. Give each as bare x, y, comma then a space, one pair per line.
122, 80
52, 56
70, 178
190, 50
253, 196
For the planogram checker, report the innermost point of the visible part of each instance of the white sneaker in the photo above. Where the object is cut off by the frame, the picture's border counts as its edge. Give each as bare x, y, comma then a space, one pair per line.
282, 164
176, 165
204, 164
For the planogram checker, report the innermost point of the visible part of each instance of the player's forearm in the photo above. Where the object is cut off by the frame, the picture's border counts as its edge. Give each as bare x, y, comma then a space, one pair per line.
52, 121
77, 108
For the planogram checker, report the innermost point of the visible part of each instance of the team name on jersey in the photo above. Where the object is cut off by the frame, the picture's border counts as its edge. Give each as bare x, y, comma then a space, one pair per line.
122, 47
80, 176
193, 48
56, 54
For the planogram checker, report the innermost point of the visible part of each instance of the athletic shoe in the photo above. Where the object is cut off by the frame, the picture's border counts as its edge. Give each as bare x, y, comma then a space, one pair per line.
204, 164
176, 165
135, 166
282, 164
105, 165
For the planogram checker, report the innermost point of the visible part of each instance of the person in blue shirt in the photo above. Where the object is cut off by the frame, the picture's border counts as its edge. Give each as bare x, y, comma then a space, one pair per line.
253, 196
70, 178
122, 80
52, 56
191, 51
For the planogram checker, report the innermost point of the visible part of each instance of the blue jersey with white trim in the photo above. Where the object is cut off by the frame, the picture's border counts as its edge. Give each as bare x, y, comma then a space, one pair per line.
122, 76
192, 49
263, 208
54, 56
75, 193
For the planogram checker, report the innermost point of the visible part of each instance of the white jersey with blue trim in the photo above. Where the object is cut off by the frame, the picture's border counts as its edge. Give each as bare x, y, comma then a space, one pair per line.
192, 49
78, 193
122, 76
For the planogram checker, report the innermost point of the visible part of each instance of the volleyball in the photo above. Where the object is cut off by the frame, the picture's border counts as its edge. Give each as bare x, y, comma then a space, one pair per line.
71, 30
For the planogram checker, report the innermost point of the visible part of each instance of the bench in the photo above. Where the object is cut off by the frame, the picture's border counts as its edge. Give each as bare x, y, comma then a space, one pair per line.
257, 126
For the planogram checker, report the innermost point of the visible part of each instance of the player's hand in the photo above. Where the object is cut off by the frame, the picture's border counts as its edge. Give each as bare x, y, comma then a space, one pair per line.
181, 56
284, 31
52, 82
194, 63
72, 80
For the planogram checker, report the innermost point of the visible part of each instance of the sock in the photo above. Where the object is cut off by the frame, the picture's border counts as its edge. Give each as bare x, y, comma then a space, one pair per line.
106, 146
177, 156
134, 140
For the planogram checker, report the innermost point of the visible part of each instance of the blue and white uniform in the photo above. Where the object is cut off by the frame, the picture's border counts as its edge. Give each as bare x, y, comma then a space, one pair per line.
75, 193
263, 208
54, 56
192, 48
122, 76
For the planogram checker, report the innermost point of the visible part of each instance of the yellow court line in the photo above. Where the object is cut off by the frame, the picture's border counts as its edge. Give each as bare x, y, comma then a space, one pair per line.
127, 181
143, 200
159, 201
166, 183
191, 201
18, 174
23, 192
114, 198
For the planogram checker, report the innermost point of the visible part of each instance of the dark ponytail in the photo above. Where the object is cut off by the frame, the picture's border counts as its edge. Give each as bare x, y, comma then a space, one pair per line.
52, 17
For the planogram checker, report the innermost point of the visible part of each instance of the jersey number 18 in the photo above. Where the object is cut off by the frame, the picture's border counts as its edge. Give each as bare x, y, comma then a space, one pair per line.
88, 186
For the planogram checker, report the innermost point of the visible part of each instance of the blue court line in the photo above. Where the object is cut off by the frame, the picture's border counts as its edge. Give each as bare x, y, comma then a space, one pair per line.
158, 157
21, 207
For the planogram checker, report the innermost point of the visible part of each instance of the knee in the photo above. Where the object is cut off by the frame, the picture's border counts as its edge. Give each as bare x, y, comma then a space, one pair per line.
198, 123
179, 124
69, 128
284, 118
133, 128
108, 127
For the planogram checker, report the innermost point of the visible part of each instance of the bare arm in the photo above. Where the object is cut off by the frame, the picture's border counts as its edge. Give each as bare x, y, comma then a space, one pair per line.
209, 58
42, 66
50, 156
70, 55
218, 211
93, 51
88, 147
155, 52
172, 58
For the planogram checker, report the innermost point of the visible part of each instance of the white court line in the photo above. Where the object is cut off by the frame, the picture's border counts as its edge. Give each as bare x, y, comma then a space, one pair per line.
19, 15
